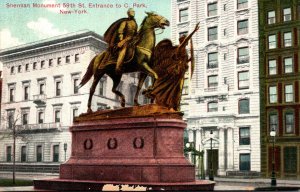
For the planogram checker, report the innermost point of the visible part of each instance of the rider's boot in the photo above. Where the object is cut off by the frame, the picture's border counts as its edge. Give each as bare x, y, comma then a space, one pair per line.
120, 60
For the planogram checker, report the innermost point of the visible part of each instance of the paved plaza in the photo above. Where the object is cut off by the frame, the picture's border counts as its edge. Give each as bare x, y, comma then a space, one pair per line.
222, 184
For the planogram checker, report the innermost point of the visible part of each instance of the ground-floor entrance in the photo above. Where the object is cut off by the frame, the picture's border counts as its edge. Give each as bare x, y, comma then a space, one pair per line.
212, 159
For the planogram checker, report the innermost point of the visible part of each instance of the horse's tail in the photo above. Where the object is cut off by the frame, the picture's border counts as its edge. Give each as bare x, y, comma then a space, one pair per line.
88, 74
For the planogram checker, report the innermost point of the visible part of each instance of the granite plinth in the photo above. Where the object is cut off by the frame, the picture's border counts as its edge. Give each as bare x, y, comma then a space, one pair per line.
129, 145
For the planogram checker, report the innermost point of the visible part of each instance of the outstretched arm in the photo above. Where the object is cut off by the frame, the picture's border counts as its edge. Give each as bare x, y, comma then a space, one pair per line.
185, 41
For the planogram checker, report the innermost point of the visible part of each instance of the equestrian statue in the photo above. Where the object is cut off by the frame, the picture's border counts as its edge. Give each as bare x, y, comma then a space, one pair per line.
136, 53
131, 50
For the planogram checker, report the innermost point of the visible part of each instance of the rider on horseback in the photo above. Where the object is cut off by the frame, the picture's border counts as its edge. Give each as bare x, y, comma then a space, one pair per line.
126, 31
121, 33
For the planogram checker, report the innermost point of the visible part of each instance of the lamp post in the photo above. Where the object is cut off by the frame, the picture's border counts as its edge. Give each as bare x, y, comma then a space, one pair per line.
211, 172
65, 149
273, 176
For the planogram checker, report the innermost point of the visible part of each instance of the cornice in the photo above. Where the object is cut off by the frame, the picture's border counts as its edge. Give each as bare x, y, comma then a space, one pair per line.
69, 41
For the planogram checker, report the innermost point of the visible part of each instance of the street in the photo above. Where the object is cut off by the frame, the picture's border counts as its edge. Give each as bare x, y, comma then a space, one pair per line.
222, 184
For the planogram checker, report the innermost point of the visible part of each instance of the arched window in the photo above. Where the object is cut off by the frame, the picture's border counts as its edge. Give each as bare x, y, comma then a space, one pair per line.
212, 106
244, 106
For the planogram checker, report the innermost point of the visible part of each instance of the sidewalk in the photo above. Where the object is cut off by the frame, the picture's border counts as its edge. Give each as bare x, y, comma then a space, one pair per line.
258, 181
29, 176
222, 183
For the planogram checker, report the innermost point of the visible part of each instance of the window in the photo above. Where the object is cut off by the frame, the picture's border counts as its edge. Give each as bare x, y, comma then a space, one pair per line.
273, 122
212, 106
243, 55
271, 17
242, 27
273, 94
39, 153
245, 162
55, 153
68, 59
27, 67
212, 60
244, 106
19, 68
290, 159
26, 93
212, 33
289, 93
101, 106
184, 33
101, 87
75, 86
74, 113
183, 15
213, 81
42, 88
288, 65
12, 70
244, 136
289, 122
241, 4
77, 57
50, 62
8, 153
212, 9
243, 80
40, 117
287, 39
272, 41
11, 94
272, 67
58, 88
132, 92
34, 65
11, 120
42, 64
23, 154
58, 60
185, 88
287, 14
57, 116
24, 118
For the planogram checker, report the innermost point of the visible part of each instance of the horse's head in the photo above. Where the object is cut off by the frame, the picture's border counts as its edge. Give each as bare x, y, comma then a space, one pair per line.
154, 20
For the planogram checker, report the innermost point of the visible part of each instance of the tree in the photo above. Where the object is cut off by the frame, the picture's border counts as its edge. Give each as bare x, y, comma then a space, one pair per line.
14, 129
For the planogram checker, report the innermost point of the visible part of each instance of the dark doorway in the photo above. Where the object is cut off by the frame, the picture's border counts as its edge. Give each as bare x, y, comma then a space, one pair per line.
215, 160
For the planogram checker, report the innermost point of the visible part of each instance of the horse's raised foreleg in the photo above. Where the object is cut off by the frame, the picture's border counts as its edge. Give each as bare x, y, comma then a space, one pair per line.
142, 78
149, 71
116, 80
97, 78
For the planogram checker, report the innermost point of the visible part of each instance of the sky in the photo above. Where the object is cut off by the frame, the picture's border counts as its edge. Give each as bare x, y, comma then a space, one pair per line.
25, 25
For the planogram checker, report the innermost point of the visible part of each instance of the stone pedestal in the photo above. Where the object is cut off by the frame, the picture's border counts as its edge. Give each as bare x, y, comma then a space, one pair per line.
137, 145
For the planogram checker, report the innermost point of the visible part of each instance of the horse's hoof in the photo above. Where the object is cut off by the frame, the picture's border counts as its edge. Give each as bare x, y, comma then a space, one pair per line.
89, 110
123, 104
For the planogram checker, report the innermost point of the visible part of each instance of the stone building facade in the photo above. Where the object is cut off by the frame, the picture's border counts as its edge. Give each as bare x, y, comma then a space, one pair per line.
40, 92
222, 97
279, 84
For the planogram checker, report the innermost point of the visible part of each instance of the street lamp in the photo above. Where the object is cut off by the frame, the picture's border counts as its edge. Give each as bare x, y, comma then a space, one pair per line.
211, 172
65, 149
273, 176
190, 147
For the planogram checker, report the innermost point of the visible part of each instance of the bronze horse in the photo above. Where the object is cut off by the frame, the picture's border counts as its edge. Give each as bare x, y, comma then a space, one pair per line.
139, 63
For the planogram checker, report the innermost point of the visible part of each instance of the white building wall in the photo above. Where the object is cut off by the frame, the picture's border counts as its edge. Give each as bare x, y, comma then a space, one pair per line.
227, 118
84, 43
